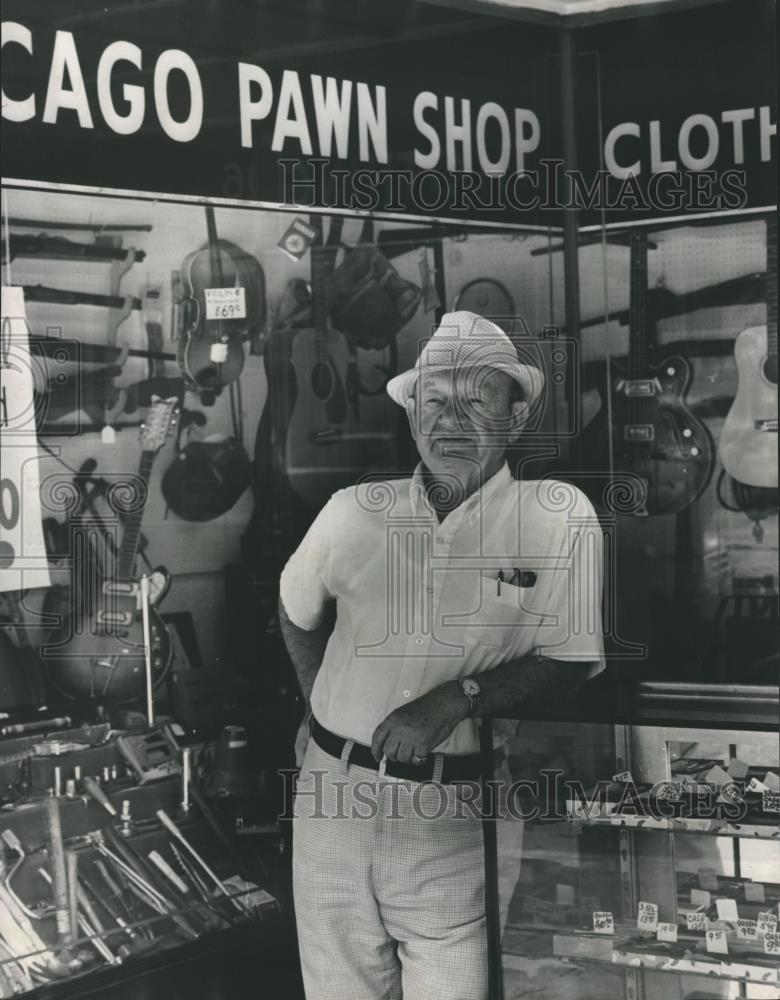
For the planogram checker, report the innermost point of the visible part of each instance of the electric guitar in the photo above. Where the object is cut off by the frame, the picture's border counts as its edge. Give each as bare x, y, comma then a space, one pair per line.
651, 433
748, 441
98, 652
324, 444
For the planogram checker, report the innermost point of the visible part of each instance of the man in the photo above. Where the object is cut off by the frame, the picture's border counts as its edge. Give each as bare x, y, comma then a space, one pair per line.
458, 593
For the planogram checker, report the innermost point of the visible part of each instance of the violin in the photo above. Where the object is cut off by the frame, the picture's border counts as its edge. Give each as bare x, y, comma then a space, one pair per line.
210, 352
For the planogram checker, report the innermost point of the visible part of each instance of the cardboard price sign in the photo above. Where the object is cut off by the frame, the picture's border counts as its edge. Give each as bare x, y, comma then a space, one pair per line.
772, 944
747, 930
667, 932
716, 942
603, 922
696, 921
770, 801
647, 917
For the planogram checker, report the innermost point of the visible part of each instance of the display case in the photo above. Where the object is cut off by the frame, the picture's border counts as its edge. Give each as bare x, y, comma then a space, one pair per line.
650, 864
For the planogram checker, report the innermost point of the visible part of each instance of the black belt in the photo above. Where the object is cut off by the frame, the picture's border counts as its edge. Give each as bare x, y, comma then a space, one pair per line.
462, 767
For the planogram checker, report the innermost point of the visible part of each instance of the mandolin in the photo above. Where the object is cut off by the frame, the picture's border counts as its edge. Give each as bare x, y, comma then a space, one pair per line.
98, 651
210, 351
652, 434
748, 441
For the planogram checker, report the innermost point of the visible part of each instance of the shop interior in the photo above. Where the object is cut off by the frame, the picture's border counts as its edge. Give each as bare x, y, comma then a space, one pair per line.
154, 461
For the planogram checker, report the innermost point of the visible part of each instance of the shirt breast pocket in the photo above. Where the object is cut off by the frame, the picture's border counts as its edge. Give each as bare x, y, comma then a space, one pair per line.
506, 617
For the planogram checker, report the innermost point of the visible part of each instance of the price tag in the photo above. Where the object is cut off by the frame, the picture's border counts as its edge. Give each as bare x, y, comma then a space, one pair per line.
623, 776
225, 303
770, 801
108, 435
603, 922
727, 909
701, 897
772, 944
754, 892
767, 922
708, 879
647, 917
667, 932
716, 942
756, 786
747, 930
696, 921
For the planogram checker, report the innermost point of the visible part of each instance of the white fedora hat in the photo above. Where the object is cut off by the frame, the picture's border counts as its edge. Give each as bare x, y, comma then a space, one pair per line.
465, 340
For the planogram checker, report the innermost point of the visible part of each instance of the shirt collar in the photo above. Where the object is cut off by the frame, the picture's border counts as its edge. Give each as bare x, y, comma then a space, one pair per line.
419, 499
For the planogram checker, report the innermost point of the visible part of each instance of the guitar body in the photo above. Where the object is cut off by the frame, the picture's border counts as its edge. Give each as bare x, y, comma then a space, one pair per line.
325, 449
748, 441
100, 656
655, 437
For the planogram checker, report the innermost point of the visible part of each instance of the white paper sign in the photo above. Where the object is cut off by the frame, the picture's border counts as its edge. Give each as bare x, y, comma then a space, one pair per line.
23, 561
747, 930
603, 922
696, 921
623, 776
700, 897
667, 932
770, 801
225, 303
647, 917
716, 942
772, 944
767, 922
727, 909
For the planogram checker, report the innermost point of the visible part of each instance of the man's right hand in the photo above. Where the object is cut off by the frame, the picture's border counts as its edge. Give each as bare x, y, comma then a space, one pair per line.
301, 742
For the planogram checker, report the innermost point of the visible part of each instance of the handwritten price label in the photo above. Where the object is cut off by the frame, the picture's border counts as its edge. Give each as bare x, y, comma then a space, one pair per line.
772, 944
770, 801
767, 922
647, 918
667, 932
747, 930
716, 942
696, 921
623, 776
225, 303
603, 922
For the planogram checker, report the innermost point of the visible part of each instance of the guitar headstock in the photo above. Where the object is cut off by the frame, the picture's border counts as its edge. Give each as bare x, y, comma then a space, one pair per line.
160, 421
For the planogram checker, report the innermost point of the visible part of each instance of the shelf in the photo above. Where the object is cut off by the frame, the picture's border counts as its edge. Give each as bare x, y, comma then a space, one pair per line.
603, 951
713, 827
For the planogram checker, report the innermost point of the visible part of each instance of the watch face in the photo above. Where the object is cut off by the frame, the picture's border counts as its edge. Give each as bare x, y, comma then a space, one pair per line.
470, 687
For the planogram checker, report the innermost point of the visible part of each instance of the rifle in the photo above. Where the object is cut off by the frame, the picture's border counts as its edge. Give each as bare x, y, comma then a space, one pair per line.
67, 297
58, 248
88, 226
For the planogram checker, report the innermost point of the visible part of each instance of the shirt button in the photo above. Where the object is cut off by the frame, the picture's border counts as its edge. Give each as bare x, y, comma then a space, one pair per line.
407, 693
418, 641
440, 539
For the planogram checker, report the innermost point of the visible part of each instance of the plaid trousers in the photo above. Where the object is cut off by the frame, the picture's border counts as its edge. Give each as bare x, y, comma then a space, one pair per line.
388, 880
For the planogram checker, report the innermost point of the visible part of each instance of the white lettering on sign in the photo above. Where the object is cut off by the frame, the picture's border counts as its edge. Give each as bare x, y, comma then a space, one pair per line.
603, 922
647, 917
225, 303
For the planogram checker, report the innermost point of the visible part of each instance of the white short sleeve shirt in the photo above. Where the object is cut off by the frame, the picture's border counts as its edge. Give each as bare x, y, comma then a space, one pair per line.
515, 569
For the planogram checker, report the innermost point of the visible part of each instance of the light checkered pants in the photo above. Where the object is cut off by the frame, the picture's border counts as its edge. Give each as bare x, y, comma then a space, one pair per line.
388, 880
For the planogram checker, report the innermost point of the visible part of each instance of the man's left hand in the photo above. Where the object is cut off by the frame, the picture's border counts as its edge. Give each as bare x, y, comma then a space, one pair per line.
413, 730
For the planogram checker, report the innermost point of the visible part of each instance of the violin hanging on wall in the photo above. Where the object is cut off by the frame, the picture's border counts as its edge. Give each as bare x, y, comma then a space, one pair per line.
210, 352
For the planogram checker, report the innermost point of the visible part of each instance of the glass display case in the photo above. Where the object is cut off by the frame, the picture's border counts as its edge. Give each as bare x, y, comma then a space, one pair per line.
650, 864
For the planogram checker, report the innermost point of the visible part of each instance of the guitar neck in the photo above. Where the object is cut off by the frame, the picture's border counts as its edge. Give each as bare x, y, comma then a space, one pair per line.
771, 286
129, 548
638, 332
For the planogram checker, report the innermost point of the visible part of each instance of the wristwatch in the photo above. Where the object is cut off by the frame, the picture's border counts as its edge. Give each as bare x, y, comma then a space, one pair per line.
472, 691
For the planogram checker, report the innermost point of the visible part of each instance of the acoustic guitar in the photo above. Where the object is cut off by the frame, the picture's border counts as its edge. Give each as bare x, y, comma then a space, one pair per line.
98, 652
325, 450
652, 434
748, 441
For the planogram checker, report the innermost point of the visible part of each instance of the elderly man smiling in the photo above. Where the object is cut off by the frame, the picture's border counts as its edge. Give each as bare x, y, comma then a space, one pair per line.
458, 593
